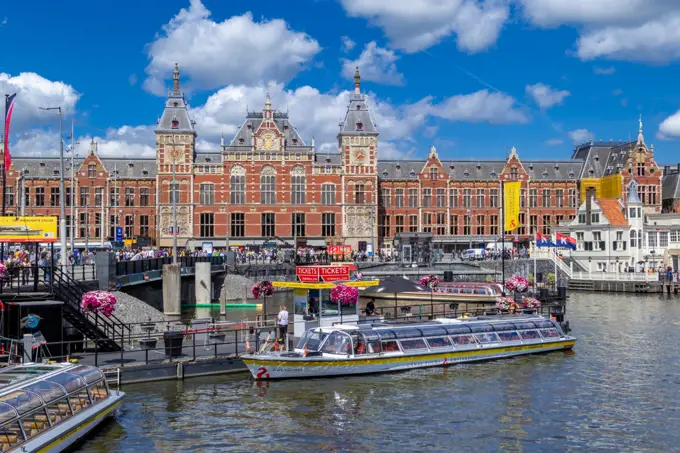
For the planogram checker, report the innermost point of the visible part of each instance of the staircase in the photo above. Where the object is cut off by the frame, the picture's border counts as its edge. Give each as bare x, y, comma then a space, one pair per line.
105, 331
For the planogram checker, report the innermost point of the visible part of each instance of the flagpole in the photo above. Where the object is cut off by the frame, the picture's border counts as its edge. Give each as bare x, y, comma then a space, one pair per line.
503, 235
555, 261
535, 252
4, 170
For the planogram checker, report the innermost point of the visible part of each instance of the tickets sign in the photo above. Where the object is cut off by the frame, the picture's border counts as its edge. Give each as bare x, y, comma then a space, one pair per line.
312, 274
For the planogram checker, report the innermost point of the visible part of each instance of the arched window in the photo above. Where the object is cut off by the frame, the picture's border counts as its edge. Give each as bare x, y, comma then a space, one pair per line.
268, 185
91, 171
237, 184
297, 185
633, 238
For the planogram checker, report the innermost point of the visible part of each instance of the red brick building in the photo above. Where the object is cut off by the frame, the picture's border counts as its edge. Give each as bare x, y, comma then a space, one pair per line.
268, 184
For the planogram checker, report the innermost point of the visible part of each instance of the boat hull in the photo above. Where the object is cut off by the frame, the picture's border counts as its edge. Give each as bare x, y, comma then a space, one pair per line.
64, 435
272, 367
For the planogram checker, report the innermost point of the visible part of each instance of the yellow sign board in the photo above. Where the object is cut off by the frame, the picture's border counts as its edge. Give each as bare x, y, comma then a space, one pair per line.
298, 285
511, 194
28, 229
362, 283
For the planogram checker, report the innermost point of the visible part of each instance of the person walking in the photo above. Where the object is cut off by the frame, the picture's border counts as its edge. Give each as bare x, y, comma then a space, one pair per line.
282, 321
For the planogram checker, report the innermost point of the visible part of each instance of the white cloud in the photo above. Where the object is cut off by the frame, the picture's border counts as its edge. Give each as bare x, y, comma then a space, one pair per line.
4, 22
670, 127
34, 91
132, 79
237, 50
481, 106
347, 44
631, 30
415, 25
376, 65
580, 136
545, 96
554, 142
604, 71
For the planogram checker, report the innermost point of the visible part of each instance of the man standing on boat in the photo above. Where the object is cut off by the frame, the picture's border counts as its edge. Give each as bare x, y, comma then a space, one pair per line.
282, 321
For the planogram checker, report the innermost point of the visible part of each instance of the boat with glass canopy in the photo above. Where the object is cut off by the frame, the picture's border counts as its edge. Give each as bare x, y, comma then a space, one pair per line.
383, 347
48, 407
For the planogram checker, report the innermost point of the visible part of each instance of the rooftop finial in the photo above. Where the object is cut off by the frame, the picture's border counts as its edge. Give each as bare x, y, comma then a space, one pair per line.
641, 138
222, 139
357, 82
640, 129
93, 147
175, 78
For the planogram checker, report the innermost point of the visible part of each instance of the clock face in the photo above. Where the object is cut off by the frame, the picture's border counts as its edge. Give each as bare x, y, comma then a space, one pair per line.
268, 138
359, 156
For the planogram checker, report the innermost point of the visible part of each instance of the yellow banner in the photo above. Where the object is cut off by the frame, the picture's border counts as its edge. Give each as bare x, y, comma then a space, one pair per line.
511, 194
28, 229
298, 285
362, 283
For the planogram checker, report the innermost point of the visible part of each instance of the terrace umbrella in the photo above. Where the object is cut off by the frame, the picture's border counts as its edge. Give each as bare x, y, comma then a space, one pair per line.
395, 284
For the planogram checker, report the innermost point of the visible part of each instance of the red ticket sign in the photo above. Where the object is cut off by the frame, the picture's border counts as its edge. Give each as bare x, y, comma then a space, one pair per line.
307, 274
334, 273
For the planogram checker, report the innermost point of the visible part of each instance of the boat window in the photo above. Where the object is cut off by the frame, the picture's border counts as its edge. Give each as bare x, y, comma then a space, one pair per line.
487, 337
79, 400
390, 346
385, 334
312, 339
374, 347
464, 339
524, 325
22, 401
433, 331
530, 335
370, 335
58, 411
549, 333
98, 391
455, 330
70, 382
7, 413
10, 436
89, 373
35, 423
481, 328
408, 333
501, 326
337, 343
441, 342
508, 336
480, 291
466, 291
453, 290
48, 391
416, 343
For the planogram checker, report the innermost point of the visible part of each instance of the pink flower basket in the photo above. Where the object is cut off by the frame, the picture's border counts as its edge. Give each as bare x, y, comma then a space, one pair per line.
263, 288
430, 280
517, 284
3, 270
345, 295
530, 302
102, 302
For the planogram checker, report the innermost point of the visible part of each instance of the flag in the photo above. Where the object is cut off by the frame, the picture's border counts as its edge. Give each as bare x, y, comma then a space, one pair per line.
9, 108
543, 241
511, 194
565, 241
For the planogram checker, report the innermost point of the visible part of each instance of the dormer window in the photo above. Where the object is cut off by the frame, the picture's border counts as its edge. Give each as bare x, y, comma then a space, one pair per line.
175, 104
26, 171
131, 165
591, 171
412, 172
295, 141
208, 159
56, 172
545, 173
466, 173
175, 123
42, 164
398, 167
360, 125
145, 172
556, 167
452, 167
492, 174
531, 167
597, 158
285, 127
240, 141
479, 167
358, 107
571, 173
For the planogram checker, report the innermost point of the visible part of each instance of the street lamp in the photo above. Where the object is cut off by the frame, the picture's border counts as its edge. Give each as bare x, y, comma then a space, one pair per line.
72, 150
469, 216
62, 208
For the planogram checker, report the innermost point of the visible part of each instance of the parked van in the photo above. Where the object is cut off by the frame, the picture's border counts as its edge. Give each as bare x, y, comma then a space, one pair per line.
473, 254
497, 246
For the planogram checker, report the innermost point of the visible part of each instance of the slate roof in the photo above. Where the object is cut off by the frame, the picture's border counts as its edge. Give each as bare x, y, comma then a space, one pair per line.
358, 113
602, 158
175, 109
333, 159
481, 170
38, 167
670, 186
208, 158
244, 138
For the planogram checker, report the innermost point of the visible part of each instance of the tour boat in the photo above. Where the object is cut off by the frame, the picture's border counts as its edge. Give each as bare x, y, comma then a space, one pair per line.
384, 347
48, 407
447, 292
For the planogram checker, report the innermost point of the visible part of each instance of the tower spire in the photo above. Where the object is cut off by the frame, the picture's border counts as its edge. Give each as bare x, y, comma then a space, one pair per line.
357, 82
641, 138
175, 78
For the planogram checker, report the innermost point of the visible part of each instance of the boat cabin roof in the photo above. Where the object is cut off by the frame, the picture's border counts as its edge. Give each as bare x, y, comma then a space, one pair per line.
392, 331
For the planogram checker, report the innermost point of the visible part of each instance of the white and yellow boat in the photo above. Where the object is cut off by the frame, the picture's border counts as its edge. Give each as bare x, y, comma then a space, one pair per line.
49, 407
382, 347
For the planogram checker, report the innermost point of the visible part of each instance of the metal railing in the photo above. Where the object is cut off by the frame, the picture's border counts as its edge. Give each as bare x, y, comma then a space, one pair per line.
23, 279
156, 264
617, 276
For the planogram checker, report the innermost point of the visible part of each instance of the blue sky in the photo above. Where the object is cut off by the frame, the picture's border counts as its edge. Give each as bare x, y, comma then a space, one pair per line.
472, 77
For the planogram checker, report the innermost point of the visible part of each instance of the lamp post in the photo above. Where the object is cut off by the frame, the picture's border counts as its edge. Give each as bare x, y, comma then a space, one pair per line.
469, 218
373, 233
74, 142
62, 208
590, 268
652, 252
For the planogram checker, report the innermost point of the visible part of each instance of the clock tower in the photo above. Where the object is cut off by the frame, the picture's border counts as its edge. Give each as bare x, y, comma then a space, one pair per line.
358, 143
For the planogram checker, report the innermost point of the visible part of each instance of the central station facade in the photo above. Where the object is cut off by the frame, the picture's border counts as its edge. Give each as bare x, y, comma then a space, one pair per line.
268, 185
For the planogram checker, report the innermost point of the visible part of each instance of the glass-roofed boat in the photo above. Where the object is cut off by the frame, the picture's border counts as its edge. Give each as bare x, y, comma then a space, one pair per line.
383, 347
48, 407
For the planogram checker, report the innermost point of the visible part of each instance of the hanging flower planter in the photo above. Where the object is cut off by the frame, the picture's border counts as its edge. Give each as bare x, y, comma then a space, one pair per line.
102, 302
429, 280
517, 284
531, 303
507, 304
264, 288
345, 295
3, 270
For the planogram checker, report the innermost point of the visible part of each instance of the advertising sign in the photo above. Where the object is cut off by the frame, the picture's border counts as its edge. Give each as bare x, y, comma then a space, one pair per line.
307, 274
334, 273
119, 234
28, 229
208, 247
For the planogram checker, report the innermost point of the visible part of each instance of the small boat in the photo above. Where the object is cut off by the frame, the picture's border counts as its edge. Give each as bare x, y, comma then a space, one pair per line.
383, 347
48, 407
484, 293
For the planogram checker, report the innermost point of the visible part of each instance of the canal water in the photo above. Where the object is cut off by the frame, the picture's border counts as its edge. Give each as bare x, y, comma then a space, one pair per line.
616, 392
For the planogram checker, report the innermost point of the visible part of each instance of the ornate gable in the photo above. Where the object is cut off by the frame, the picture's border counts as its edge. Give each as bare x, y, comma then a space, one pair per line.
434, 165
514, 170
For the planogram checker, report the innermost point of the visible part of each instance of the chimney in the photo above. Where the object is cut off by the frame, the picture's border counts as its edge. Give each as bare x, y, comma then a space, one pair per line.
590, 195
678, 168
666, 170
